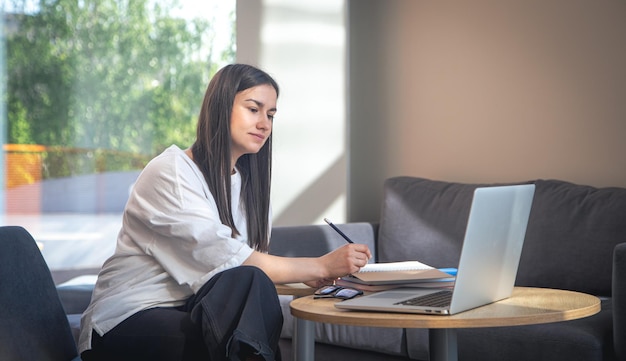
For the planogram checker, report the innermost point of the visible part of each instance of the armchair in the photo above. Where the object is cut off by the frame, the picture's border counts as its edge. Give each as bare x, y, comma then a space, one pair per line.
33, 323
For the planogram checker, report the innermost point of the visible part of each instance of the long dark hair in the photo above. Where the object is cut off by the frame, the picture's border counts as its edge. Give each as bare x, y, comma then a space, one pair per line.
211, 152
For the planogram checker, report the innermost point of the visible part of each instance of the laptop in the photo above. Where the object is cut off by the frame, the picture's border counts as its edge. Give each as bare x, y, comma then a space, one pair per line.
487, 268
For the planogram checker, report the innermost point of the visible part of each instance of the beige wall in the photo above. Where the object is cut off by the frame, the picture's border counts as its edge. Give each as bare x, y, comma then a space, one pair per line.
485, 91
471, 91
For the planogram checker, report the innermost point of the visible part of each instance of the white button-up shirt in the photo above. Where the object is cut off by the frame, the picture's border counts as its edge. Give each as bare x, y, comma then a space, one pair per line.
171, 242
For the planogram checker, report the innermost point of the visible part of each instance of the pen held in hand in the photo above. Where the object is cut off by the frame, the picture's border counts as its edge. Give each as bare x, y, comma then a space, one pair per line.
338, 230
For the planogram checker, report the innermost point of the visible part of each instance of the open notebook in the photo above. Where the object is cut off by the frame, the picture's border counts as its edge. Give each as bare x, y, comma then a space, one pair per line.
488, 264
397, 272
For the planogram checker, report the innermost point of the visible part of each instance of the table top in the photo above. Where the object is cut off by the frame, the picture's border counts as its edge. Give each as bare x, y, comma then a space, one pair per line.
526, 306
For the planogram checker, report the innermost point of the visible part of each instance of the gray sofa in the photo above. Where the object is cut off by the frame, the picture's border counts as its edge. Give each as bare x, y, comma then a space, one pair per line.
576, 240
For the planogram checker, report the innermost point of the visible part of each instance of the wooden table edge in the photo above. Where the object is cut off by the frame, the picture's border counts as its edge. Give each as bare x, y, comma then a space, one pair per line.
294, 289
323, 310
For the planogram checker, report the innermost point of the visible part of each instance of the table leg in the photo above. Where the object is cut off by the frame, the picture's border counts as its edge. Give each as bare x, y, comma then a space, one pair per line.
443, 345
303, 340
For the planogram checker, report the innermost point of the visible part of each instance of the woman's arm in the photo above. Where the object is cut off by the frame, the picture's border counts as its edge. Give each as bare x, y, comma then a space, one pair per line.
340, 262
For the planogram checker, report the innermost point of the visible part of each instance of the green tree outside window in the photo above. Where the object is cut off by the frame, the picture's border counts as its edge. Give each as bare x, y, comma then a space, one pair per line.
105, 85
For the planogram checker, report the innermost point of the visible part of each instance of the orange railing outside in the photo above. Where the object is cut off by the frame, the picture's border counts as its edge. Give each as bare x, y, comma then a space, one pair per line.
23, 164
26, 165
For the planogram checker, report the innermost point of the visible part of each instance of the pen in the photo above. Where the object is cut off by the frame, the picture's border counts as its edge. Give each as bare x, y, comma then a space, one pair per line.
338, 230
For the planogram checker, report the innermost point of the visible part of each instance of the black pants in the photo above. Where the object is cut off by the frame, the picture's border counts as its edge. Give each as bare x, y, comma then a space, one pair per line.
234, 314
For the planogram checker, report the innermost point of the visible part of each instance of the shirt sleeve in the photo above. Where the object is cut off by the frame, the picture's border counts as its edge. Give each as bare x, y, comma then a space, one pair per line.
177, 222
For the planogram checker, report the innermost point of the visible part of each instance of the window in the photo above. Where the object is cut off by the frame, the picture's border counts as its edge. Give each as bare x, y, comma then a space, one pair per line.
91, 91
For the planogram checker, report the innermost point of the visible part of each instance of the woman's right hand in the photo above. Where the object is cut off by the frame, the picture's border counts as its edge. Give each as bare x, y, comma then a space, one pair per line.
312, 270
345, 260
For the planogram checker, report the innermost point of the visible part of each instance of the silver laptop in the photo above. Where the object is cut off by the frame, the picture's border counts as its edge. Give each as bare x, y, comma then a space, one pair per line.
488, 264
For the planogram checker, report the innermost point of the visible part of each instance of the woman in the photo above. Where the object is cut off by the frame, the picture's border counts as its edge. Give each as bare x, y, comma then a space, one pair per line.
190, 277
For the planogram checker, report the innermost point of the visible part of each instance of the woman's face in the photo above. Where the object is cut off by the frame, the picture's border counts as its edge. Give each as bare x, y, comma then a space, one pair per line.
251, 119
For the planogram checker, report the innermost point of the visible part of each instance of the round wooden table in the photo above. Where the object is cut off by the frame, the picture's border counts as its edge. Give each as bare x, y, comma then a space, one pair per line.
526, 306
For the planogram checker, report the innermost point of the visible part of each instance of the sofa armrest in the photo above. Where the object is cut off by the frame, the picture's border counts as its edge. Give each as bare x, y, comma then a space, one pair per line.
619, 300
317, 240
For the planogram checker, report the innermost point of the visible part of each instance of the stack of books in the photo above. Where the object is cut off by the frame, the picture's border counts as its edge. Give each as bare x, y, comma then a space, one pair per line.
384, 276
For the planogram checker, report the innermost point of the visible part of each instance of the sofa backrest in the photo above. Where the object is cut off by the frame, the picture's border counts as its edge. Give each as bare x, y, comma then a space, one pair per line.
569, 243
319, 239
423, 220
573, 230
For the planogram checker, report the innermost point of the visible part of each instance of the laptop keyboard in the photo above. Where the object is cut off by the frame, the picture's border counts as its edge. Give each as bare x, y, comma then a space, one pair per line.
437, 299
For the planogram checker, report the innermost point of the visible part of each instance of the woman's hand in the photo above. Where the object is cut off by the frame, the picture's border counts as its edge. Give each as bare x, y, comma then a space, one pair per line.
345, 260
320, 283
313, 271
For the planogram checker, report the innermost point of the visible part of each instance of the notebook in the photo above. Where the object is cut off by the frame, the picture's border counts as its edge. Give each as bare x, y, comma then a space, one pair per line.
487, 268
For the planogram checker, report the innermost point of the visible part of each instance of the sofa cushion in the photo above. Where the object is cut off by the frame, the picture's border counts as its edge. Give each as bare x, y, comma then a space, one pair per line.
423, 220
571, 234
572, 230
75, 294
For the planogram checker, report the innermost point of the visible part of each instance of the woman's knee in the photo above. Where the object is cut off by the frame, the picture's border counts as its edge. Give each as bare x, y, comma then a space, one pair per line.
252, 271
